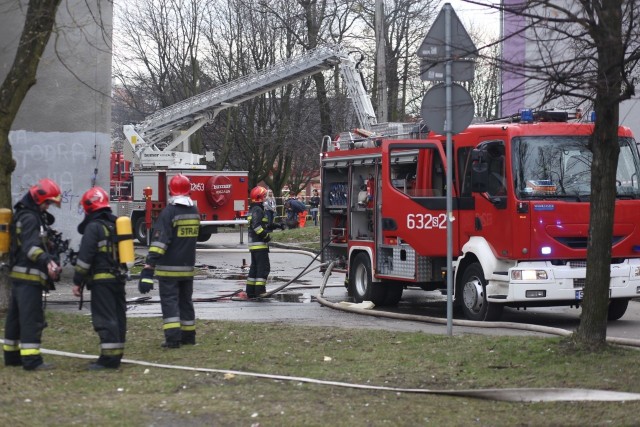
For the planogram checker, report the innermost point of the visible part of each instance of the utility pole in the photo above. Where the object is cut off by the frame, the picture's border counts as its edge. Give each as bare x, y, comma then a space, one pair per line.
381, 61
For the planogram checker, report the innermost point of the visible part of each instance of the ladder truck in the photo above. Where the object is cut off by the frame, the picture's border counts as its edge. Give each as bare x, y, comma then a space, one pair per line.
158, 147
520, 217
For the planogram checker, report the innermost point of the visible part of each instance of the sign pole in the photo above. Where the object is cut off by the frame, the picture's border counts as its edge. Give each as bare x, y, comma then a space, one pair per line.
447, 39
448, 126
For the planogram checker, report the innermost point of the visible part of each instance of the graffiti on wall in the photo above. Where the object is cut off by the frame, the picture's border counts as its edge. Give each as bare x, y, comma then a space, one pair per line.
73, 160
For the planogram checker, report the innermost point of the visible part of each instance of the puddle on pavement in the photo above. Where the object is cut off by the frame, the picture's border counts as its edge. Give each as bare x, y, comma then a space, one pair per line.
293, 297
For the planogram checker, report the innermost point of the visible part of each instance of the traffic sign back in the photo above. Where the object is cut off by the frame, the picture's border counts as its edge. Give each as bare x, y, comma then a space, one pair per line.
433, 45
434, 108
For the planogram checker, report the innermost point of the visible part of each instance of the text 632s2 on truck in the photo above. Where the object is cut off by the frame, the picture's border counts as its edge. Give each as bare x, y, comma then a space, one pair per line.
521, 191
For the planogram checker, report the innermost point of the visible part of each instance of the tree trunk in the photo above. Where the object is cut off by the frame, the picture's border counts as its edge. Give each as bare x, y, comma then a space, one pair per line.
37, 29
7, 166
592, 332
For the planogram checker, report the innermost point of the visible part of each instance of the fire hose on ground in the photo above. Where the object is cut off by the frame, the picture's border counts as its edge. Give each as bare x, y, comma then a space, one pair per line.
508, 394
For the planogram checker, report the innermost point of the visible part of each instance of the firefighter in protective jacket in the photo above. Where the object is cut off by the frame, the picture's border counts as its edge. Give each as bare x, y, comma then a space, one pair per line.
172, 256
98, 267
31, 264
259, 238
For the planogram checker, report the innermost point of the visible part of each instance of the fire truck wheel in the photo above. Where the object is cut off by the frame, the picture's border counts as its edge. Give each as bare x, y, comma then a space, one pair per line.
474, 300
140, 230
361, 287
617, 308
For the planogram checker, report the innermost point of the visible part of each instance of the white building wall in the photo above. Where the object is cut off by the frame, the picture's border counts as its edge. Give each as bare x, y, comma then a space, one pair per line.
63, 128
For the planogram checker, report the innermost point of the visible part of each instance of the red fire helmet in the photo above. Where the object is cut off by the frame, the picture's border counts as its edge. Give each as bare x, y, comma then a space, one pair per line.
46, 190
179, 185
258, 194
93, 199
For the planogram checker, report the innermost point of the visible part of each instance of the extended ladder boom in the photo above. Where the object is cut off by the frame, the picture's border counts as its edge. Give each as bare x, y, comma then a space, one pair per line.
198, 110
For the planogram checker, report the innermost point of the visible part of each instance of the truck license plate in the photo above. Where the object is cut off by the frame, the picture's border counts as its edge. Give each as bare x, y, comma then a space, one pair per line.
580, 294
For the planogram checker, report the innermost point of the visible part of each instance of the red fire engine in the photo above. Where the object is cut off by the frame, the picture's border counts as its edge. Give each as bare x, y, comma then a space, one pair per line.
220, 197
520, 194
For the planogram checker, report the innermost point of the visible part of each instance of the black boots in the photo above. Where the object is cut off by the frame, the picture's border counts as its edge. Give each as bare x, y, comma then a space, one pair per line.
251, 291
254, 291
188, 338
12, 358
105, 362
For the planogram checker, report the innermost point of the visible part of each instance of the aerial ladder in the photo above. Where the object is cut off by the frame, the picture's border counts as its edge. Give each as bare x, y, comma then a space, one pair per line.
161, 140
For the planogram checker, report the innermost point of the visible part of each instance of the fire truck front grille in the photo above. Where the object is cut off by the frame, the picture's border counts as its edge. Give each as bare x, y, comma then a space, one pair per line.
578, 263
578, 283
573, 242
581, 242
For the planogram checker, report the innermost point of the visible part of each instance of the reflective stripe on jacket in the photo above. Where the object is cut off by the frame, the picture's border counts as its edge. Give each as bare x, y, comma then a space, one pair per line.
258, 231
173, 241
30, 230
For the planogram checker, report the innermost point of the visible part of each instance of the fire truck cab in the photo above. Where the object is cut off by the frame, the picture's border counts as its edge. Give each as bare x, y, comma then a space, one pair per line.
520, 213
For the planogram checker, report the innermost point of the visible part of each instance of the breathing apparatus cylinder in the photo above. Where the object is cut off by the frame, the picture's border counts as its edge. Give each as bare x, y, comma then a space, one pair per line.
5, 237
125, 246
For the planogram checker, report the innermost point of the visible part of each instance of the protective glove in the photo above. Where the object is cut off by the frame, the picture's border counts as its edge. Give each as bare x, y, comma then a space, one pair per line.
145, 285
267, 238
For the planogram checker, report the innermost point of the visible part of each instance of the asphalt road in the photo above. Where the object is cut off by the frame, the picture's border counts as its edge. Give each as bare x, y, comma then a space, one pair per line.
224, 261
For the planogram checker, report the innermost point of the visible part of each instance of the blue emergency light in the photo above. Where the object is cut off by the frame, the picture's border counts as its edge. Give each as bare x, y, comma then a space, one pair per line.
592, 117
526, 116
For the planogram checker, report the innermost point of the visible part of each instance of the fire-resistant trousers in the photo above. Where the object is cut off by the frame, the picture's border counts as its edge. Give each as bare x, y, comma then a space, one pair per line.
258, 272
24, 324
178, 314
109, 317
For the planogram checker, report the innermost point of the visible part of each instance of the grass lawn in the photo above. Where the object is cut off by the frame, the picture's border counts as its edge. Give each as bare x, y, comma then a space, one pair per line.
142, 395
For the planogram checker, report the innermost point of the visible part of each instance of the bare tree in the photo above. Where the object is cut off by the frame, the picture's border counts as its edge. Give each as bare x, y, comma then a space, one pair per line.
253, 135
157, 59
404, 28
485, 87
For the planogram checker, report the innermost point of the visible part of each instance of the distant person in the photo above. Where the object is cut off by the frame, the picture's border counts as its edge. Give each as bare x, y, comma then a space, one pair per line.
292, 208
98, 267
172, 257
291, 215
302, 216
314, 204
270, 207
30, 267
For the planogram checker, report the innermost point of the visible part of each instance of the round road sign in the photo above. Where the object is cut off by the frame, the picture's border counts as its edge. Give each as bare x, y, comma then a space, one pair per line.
434, 108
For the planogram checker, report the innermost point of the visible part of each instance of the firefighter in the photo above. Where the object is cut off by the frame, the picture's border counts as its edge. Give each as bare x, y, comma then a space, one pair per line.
31, 264
259, 238
172, 256
98, 268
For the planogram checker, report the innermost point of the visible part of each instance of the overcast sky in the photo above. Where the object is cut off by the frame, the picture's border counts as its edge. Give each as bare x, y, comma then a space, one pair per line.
474, 16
